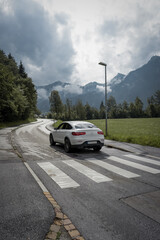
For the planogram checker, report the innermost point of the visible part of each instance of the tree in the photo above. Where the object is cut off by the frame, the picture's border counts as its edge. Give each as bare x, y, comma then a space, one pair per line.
138, 108
153, 108
68, 109
95, 113
55, 103
132, 112
111, 107
157, 97
88, 111
18, 95
119, 111
102, 111
13, 102
22, 72
125, 109
80, 110
111, 103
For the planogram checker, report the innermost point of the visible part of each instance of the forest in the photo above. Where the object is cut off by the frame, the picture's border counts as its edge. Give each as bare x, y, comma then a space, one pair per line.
18, 97
135, 109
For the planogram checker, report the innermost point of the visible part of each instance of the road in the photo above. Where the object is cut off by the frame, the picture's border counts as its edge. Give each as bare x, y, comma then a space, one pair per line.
107, 195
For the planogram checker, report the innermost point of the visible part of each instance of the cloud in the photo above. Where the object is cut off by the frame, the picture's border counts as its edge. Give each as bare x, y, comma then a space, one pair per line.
110, 28
43, 43
102, 88
42, 93
64, 41
131, 36
71, 88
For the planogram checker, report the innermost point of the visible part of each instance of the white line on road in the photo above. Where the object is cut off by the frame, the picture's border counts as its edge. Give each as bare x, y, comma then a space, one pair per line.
143, 159
114, 169
44, 189
62, 179
93, 175
134, 165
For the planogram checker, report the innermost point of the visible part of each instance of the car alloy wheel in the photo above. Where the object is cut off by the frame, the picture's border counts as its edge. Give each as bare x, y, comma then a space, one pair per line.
67, 145
52, 142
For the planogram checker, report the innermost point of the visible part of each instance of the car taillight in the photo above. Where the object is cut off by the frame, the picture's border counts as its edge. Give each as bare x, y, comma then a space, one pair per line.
101, 133
78, 133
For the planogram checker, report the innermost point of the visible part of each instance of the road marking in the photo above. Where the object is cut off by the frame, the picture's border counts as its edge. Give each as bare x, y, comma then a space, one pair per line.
93, 175
114, 169
44, 189
134, 165
62, 179
143, 159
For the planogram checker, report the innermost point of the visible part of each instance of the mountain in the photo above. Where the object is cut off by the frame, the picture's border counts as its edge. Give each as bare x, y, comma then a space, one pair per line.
93, 93
142, 82
116, 80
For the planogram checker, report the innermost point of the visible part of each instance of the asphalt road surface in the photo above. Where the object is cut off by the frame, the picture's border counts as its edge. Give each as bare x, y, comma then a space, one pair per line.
107, 195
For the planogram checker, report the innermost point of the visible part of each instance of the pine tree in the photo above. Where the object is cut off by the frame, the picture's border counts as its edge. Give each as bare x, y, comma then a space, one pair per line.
55, 104
22, 72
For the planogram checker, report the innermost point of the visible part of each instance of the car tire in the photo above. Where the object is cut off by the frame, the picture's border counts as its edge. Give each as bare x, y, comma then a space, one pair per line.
51, 139
97, 149
67, 145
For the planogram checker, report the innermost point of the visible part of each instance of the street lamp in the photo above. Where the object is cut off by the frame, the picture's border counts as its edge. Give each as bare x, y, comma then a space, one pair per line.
105, 65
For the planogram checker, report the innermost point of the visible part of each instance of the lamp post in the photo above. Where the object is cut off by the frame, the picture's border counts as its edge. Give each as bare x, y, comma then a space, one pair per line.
105, 65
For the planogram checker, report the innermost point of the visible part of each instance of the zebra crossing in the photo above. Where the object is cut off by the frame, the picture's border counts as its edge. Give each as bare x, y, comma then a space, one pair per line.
88, 172
134, 165
62, 179
65, 181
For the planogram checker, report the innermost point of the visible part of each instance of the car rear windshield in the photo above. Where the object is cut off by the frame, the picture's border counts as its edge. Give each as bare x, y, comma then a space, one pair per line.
84, 125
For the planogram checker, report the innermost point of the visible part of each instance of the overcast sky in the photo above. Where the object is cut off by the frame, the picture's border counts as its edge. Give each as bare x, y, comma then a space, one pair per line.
64, 40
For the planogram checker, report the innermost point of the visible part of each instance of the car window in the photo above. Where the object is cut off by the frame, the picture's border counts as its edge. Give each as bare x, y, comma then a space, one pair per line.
61, 126
65, 126
68, 126
84, 125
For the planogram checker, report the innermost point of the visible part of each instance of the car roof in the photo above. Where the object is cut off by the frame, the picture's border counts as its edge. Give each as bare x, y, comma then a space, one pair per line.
73, 123
76, 122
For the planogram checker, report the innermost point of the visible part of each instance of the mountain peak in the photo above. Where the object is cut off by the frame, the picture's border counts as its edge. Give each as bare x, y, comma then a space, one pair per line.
154, 59
117, 79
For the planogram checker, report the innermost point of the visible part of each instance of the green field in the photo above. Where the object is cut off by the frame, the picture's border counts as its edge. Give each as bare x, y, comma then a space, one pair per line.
144, 131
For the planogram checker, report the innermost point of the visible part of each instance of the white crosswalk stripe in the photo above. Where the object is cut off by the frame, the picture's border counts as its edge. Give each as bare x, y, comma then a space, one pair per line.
88, 172
134, 165
62, 179
114, 169
143, 159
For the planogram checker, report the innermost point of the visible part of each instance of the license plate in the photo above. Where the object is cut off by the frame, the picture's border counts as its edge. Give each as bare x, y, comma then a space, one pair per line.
93, 142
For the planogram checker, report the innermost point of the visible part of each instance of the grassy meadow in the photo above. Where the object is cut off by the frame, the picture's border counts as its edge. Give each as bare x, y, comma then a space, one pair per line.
144, 131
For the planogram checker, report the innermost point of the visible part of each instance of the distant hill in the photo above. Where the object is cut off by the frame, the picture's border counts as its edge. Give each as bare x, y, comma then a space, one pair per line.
142, 82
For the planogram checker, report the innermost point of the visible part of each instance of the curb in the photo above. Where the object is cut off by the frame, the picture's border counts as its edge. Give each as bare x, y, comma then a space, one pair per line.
118, 148
61, 220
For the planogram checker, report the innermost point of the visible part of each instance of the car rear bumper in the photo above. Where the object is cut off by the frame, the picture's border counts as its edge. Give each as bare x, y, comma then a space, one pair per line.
89, 144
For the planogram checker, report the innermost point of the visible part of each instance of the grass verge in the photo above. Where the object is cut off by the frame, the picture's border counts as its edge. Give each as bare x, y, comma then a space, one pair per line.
17, 123
143, 131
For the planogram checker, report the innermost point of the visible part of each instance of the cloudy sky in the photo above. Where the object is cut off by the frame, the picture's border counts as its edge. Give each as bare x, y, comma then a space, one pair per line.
63, 40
